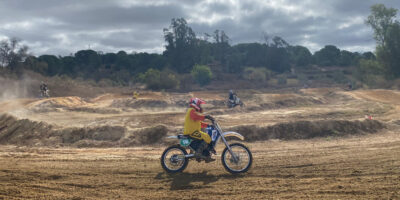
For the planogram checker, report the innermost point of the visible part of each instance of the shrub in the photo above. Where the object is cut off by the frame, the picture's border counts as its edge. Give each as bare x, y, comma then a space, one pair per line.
157, 80
202, 74
186, 82
152, 79
339, 77
369, 71
282, 80
256, 74
169, 79
105, 82
121, 77
292, 81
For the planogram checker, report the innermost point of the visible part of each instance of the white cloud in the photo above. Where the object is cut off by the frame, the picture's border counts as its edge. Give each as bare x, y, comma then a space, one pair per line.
351, 22
63, 27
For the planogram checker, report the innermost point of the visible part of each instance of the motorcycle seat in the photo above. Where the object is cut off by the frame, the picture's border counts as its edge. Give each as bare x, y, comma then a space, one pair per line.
181, 136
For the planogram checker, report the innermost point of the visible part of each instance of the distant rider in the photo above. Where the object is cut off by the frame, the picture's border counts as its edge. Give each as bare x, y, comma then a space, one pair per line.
135, 95
349, 86
193, 125
43, 86
232, 96
43, 89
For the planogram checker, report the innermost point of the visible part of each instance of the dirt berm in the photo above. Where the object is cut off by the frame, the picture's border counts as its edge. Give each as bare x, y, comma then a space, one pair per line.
309, 129
24, 132
30, 133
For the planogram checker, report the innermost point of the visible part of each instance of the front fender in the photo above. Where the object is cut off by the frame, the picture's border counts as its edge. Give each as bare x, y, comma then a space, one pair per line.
233, 134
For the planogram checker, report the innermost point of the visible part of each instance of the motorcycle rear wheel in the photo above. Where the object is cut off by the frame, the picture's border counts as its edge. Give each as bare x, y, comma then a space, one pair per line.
177, 162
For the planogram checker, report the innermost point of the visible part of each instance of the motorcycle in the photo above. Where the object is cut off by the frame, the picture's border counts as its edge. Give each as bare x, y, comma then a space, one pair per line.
44, 93
236, 157
234, 102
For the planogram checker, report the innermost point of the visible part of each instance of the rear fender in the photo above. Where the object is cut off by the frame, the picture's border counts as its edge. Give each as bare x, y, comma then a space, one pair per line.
233, 134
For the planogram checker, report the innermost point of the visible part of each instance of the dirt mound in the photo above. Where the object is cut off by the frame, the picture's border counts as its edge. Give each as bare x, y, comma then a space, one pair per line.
139, 103
62, 101
30, 133
309, 129
52, 104
102, 133
95, 110
75, 104
25, 132
107, 97
251, 107
338, 96
320, 91
151, 135
384, 96
292, 102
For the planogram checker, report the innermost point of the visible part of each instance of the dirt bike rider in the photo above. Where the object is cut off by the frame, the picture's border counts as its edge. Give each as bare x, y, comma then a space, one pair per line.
43, 87
232, 96
193, 125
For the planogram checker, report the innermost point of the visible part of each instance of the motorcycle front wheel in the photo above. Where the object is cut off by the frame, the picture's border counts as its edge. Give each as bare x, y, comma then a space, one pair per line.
240, 162
173, 159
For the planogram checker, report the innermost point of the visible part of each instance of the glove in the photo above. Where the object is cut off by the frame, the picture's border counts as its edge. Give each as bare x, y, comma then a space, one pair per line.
209, 118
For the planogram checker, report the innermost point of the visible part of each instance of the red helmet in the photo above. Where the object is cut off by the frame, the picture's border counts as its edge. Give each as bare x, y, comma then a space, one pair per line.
196, 104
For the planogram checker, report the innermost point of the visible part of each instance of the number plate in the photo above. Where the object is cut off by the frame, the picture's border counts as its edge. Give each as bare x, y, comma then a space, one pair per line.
185, 142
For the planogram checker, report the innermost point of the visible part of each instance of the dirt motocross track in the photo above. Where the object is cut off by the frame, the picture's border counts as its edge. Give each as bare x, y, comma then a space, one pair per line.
307, 144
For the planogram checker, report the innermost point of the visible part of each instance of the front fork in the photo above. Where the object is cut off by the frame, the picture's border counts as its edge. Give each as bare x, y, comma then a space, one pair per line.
235, 158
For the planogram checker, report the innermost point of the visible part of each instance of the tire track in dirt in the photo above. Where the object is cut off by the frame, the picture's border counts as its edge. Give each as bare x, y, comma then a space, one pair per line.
345, 168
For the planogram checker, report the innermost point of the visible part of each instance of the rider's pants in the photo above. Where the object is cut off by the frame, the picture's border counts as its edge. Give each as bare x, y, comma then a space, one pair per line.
200, 135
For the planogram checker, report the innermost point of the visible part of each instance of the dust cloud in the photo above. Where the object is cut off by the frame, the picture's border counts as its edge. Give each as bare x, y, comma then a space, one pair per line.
13, 89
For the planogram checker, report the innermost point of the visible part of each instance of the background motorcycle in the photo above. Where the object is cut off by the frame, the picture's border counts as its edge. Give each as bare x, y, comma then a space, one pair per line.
233, 103
236, 157
44, 93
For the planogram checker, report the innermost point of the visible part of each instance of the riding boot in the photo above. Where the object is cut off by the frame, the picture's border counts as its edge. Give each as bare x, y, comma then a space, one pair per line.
199, 152
211, 148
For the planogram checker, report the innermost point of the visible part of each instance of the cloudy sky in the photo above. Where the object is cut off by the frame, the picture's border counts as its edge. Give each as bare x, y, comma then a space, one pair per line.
64, 27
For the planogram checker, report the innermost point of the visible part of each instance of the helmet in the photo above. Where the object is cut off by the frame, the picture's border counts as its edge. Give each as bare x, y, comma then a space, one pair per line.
196, 104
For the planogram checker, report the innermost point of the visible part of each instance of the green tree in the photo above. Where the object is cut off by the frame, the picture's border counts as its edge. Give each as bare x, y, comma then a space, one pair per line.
346, 58
277, 59
87, 62
369, 56
368, 71
387, 35
202, 74
300, 56
181, 45
12, 53
32, 63
53, 64
392, 50
380, 20
221, 46
327, 56
68, 63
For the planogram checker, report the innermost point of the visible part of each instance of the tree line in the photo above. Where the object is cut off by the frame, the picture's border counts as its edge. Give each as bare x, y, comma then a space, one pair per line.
185, 52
